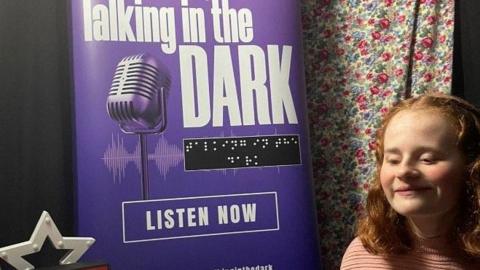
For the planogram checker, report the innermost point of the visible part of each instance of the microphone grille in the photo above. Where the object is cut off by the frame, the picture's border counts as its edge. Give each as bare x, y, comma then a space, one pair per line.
137, 96
135, 75
121, 111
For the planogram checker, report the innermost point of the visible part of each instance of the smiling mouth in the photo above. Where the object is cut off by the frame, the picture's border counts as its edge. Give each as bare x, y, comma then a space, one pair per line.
411, 190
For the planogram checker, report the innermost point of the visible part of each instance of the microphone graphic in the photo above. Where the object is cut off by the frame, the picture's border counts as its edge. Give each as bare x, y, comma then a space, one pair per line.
137, 101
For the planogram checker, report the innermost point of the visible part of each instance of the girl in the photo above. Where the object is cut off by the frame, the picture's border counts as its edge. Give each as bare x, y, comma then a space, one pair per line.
423, 209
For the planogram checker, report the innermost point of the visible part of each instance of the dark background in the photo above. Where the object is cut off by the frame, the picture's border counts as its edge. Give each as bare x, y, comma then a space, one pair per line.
36, 132
36, 170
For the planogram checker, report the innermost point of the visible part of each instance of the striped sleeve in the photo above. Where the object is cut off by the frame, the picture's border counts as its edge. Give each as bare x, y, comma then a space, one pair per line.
358, 258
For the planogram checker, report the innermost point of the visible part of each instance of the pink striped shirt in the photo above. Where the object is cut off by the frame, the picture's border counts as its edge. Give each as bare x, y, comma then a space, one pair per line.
428, 254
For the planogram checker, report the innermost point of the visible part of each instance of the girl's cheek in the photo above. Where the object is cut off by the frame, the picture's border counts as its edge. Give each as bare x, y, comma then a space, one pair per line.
440, 175
386, 177
385, 172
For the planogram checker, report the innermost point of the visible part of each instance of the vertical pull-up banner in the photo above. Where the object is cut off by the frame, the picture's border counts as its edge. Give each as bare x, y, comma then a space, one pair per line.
191, 135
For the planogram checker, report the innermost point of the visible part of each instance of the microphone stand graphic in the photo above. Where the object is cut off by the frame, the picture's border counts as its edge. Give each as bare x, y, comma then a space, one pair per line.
137, 101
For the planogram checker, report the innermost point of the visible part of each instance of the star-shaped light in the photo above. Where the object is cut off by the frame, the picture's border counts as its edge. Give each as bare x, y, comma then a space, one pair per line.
45, 228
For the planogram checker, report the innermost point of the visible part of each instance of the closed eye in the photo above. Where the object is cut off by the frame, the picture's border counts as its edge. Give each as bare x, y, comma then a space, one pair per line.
392, 161
428, 161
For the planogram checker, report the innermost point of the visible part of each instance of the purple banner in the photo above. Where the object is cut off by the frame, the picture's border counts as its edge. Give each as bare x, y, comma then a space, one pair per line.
191, 134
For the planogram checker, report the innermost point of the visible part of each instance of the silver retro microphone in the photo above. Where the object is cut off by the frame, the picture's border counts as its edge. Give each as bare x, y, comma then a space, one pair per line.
137, 101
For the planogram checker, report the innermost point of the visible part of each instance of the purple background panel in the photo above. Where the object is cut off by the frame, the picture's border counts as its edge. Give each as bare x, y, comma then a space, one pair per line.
108, 161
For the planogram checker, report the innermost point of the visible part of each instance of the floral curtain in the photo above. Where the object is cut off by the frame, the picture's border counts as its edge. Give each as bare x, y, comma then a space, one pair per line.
362, 56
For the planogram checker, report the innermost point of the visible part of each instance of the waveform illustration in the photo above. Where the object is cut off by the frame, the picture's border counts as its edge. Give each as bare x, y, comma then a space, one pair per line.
166, 156
116, 157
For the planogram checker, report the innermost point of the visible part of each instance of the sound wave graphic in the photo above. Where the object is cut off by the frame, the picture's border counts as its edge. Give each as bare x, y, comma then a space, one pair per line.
116, 157
166, 156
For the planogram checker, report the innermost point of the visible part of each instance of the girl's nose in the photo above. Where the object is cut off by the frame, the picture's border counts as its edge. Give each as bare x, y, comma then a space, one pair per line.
406, 171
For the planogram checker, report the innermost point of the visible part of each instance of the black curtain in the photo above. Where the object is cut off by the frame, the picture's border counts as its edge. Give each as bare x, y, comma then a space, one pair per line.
36, 120
466, 63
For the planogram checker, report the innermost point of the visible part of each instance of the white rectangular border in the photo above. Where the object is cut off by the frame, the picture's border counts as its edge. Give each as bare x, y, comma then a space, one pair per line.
200, 235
